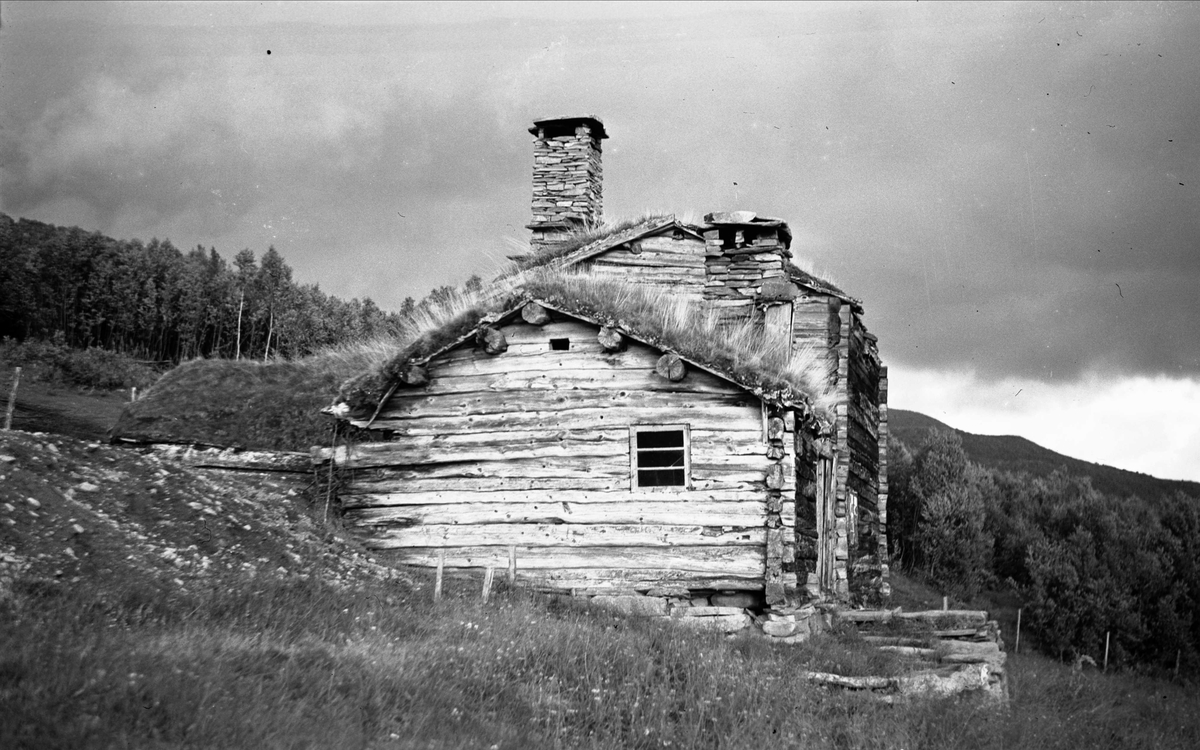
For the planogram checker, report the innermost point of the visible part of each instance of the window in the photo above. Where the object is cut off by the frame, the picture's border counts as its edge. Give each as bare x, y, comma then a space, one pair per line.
659, 455
560, 345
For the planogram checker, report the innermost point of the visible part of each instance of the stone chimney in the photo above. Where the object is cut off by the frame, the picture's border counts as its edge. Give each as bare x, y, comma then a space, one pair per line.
744, 266
567, 179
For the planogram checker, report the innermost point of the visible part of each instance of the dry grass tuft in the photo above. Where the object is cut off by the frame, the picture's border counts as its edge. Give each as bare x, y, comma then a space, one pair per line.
741, 350
579, 238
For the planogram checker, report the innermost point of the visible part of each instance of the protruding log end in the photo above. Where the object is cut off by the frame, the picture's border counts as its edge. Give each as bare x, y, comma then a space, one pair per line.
534, 314
775, 477
491, 340
671, 367
610, 339
414, 375
775, 428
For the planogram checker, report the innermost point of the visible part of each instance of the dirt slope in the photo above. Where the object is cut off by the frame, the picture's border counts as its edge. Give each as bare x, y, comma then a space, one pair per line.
75, 511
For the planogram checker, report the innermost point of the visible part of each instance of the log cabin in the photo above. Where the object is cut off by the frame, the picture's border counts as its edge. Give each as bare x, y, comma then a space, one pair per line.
656, 407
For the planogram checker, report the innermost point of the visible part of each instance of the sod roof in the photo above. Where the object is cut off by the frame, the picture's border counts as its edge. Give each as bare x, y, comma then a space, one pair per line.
739, 354
226, 403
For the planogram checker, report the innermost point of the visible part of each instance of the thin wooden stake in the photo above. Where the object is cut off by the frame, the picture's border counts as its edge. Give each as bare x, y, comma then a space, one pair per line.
945, 604
133, 394
437, 582
488, 575
1017, 649
1106, 635
1178, 653
12, 399
512, 565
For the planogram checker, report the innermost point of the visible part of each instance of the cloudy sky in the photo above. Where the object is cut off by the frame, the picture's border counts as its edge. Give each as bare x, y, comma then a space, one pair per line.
1013, 190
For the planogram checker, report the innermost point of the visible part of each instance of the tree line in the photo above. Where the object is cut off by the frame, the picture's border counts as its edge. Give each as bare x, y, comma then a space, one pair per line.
153, 301
1085, 564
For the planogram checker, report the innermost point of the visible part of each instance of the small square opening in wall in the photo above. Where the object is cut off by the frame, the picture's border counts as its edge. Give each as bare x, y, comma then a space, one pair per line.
560, 345
660, 456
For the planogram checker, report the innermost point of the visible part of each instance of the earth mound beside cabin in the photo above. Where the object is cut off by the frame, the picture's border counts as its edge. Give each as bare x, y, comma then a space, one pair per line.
261, 406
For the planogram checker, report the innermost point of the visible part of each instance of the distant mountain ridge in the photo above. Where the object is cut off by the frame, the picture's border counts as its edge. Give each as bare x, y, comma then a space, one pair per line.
1012, 453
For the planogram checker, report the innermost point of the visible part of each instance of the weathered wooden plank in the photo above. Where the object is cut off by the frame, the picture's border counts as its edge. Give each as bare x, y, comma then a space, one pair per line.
420, 483
525, 469
574, 379
236, 460
687, 266
639, 579
528, 535
405, 405
732, 562
570, 498
452, 478
554, 511
551, 446
442, 415
584, 352
580, 455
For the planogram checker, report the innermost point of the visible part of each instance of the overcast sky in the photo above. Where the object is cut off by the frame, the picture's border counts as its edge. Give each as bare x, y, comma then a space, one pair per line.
1012, 190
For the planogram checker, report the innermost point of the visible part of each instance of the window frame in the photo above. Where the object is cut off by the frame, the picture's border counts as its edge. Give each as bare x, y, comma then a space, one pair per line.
634, 431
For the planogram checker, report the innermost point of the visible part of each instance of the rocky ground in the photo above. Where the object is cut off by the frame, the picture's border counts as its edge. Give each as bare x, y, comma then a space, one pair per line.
78, 511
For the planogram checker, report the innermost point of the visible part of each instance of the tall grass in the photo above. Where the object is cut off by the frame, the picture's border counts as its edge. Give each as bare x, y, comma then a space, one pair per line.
741, 349
302, 664
579, 237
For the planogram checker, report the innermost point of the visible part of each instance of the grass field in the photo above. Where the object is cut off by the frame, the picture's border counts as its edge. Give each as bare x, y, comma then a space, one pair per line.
278, 664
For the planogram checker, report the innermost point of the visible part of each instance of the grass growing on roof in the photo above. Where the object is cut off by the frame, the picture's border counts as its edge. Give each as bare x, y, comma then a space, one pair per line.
581, 237
740, 350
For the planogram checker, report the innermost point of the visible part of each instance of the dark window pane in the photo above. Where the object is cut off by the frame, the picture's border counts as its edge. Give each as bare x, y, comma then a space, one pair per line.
560, 345
660, 478
651, 459
660, 439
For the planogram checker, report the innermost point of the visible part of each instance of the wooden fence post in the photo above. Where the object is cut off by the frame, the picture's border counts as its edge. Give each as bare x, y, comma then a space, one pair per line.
437, 582
488, 575
1017, 649
12, 399
512, 565
1106, 635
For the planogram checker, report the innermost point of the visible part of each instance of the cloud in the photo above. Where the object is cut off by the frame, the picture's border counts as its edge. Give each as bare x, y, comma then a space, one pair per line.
998, 183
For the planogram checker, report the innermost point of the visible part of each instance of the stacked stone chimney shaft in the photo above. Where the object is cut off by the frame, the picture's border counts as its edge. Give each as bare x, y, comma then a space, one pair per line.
567, 178
744, 259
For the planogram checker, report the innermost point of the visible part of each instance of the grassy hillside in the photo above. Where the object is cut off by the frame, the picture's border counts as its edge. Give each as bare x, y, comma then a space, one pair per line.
1011, 453
193, 609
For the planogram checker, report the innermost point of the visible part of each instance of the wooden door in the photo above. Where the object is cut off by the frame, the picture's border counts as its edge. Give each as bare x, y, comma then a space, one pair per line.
826, 523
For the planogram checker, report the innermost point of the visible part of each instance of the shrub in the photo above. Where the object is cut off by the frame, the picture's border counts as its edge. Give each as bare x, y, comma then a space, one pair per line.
55, 362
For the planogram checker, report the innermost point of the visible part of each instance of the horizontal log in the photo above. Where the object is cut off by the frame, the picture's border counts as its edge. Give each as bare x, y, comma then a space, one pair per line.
236, 460
713, 420
729, 562
584, 379
528, 535
854, 683
686, 266
580, 455
583, 455
384, 481
572, 498
470, 477
743, 514
405, 404
583, 354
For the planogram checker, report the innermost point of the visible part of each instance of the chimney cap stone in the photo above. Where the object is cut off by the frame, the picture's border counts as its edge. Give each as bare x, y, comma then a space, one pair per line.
569, 123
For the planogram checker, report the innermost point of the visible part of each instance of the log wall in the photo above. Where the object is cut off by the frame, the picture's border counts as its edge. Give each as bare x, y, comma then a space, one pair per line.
672, 261
529, 449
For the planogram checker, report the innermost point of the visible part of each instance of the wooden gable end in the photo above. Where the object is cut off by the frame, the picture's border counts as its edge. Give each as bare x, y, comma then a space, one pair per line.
670, 258
528, 453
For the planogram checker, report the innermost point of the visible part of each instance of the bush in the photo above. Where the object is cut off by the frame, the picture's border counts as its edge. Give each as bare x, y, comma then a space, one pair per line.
55, 362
